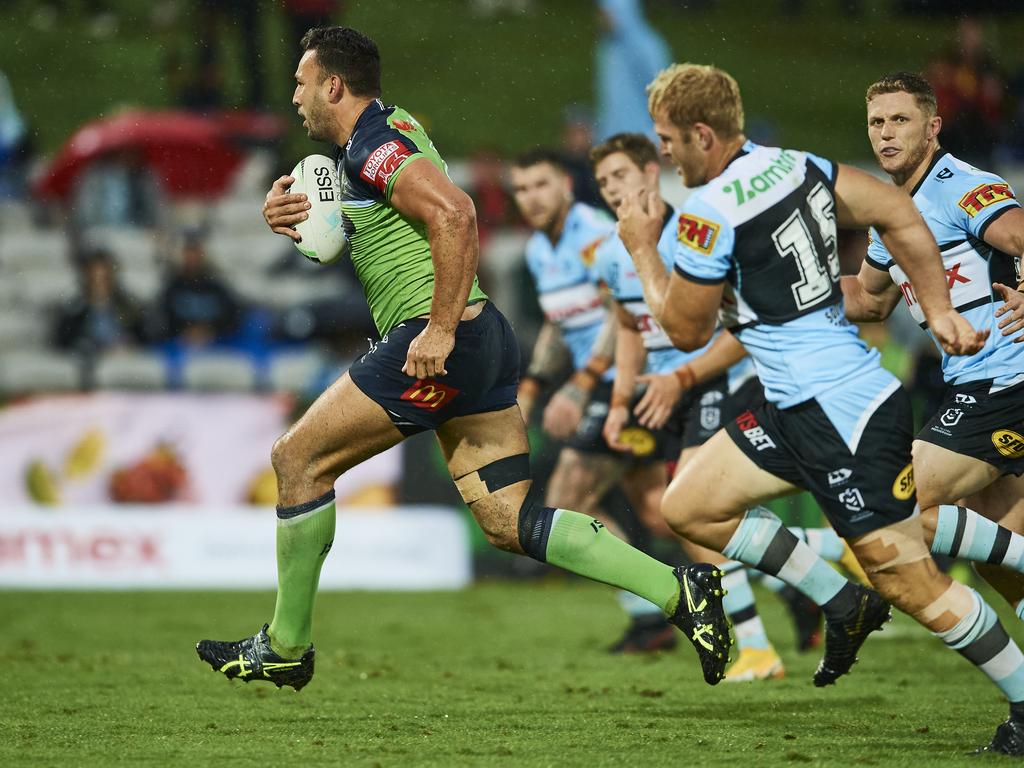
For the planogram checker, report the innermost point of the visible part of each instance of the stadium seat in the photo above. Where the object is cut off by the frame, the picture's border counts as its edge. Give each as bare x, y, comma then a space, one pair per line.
127, 369
131, 248
22, 328
26, 371
42, 287
43, 250
295, 371
222, 371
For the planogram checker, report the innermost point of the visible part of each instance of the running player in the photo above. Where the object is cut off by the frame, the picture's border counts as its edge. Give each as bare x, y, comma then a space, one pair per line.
684, 416
757, 237
560, 256
447, 361
973, 447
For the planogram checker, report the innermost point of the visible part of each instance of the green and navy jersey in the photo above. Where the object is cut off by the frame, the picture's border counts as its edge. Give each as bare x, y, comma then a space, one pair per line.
563, 273
959, 203
766, 227
391, 253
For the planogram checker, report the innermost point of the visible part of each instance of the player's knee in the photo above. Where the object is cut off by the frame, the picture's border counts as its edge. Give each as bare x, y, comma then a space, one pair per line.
288, 460
680, 515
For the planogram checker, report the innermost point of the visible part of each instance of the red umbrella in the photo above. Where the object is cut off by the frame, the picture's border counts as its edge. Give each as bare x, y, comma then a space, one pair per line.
189, 154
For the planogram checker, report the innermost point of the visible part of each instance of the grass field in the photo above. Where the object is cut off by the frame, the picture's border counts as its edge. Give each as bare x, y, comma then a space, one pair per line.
507, 674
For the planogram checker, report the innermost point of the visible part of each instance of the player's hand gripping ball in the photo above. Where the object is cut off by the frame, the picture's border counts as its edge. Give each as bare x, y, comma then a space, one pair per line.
323, 233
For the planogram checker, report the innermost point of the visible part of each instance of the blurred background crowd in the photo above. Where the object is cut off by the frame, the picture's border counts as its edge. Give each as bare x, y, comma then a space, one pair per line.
137, 141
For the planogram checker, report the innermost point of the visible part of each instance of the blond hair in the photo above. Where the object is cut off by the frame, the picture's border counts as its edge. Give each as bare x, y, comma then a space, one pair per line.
697, 93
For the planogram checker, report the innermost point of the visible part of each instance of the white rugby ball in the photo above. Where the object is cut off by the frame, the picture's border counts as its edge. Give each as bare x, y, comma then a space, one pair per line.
323, 233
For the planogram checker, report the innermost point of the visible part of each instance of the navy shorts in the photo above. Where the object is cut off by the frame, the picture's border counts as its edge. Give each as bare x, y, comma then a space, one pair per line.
859, 491
483, 373
985, 425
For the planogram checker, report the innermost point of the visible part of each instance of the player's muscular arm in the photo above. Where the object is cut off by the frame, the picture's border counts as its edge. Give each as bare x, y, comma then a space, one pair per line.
565, 409
863, 201
547, 360
1007, 233
424, 193
869, 296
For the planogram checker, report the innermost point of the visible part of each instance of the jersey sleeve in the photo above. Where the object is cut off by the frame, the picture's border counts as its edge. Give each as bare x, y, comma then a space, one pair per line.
604, 257
826, 166
877, 255
374, 162
980, 199
704, 247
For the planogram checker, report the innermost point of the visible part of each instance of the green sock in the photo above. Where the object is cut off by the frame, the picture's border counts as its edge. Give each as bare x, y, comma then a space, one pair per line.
303, 540
582, 545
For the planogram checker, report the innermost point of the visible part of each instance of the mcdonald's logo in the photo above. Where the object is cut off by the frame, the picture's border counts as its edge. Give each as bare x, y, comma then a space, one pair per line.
429, 394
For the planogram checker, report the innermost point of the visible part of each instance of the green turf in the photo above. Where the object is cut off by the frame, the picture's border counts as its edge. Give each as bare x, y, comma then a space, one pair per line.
501, 674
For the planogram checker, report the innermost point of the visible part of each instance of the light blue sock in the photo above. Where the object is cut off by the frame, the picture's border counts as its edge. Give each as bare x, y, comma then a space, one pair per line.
739, 604
961, 532
824, 542
762, 541
981, 639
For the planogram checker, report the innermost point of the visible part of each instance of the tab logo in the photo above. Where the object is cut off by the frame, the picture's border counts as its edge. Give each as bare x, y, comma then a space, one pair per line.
699, 234
985, 195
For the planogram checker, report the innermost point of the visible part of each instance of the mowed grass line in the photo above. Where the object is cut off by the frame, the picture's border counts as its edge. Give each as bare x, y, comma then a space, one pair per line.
510, 674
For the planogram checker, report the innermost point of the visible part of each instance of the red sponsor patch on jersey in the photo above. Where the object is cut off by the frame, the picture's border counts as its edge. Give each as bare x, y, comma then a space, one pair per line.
403, 125
429, 394
382, 163
699, 234
985, 195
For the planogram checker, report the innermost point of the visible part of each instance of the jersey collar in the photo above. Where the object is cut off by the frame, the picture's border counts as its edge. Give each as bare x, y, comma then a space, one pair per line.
931, 167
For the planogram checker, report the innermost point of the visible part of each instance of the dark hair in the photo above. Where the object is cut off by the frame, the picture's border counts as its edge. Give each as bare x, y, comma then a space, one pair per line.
906, 82
539, 155
347, 53
635, 146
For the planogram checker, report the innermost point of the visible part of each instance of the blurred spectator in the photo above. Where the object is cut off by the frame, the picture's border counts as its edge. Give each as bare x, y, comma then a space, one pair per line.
629, 54
117, 190
971, 95
15, 144
490, 195
198, 306
103, 317
577, 139
303, 15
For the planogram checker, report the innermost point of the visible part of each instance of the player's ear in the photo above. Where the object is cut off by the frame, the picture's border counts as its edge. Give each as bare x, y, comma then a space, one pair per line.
934, 126
337, 89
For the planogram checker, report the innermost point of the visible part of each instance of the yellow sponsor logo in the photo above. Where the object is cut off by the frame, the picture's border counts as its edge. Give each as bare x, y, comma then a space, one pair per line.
903, 487
1008, 443
985, 195
700, 234
640, 441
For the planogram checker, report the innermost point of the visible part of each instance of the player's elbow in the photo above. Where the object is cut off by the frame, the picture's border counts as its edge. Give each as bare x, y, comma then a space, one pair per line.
456, 212
689, 338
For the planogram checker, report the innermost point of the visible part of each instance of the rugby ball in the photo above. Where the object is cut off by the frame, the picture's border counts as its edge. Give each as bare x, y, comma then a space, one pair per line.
323, 233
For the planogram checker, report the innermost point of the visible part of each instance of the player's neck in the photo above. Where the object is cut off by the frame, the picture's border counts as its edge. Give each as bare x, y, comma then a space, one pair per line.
719, 160
554, 232
907, 181
349, 116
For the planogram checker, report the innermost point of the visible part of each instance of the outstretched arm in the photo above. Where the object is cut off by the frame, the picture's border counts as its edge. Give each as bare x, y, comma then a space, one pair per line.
869, 296
863, 201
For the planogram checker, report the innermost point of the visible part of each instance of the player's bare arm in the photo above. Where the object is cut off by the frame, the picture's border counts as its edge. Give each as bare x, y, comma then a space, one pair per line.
283, 210
1006, 233
629, 361
1011, 313
725, 351
565, 409
424, 193
863, 201
870, 295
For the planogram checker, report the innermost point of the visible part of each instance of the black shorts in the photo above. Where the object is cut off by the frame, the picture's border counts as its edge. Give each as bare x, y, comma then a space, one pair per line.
589, 437
859, 492
483, 373
984, 426
704, 410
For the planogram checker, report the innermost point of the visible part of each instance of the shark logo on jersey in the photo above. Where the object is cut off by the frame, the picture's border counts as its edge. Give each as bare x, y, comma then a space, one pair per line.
985, 195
